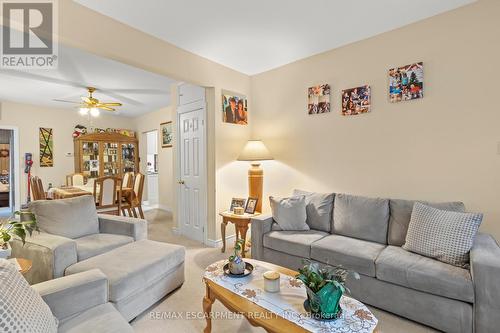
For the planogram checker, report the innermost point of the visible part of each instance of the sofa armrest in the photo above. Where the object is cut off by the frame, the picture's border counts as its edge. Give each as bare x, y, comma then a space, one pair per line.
123, 225
260, 225
51, 255
72, 294
485, 270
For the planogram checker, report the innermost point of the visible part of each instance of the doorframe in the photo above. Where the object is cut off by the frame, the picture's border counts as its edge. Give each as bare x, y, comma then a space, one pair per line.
181, 109
145, 138
17, 170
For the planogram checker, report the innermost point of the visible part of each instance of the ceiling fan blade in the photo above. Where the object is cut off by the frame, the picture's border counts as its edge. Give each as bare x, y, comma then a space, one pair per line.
87, 100
110, 104
105, 108
65, 101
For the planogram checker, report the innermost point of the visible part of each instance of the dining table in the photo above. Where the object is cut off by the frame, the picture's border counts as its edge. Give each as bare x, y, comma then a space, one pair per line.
65, 192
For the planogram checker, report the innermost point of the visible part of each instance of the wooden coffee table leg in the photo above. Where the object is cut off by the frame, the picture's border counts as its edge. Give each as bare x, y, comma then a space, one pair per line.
208, 300
223, 233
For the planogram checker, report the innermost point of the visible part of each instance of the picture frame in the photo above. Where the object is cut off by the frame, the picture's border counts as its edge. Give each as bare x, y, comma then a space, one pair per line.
166, 134
318, 99
406, 83
234, 108
237, 202
251, 205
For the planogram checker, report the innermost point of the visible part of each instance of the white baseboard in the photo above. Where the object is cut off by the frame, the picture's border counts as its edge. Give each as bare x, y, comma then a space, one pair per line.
147, 207
218, 243
176, 231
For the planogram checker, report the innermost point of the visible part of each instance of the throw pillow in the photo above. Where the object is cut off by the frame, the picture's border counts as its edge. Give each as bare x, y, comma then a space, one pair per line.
22, 308
443, 235
319, 208
290, 213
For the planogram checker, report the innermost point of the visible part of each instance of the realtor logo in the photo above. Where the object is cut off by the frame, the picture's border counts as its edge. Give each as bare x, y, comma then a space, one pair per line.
29, 31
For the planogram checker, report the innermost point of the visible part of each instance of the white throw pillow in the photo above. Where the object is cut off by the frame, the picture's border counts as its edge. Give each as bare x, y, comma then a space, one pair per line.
22, 309
290, 213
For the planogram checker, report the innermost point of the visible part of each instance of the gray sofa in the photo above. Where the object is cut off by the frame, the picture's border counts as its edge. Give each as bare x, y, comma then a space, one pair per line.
80, 303
72, 231
366, 235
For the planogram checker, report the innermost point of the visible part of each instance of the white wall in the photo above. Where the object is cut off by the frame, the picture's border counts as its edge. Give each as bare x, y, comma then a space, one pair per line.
149, 122
443, 147
28, 118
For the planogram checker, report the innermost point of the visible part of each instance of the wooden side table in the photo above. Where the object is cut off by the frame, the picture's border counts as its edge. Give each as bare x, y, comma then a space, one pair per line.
241, 223
24, 265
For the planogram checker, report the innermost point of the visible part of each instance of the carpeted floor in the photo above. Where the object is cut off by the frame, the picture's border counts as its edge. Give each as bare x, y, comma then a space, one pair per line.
180, 311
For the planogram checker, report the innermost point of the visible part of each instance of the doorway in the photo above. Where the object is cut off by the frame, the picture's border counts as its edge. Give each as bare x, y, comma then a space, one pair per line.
192, 162
152, 168
9, 169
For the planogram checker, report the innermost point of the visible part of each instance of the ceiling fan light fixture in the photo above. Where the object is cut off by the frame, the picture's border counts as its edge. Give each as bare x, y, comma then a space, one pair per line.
94, 112
83, 111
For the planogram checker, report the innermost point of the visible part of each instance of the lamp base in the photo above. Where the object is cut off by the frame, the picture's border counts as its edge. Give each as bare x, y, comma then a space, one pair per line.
255, 184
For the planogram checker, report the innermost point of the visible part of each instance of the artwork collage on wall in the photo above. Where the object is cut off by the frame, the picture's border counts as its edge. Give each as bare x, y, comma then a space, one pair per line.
405, 83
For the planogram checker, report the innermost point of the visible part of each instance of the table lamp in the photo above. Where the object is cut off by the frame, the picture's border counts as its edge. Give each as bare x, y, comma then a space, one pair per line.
255, 151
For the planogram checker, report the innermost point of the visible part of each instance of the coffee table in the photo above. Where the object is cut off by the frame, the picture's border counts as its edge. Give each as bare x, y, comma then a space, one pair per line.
277, 312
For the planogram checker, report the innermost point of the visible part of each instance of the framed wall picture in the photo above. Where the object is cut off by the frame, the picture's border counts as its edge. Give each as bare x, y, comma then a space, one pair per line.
356, 101
167, 134
234, 108
237, 202
251, 205
46, 147
318, 99
406, 82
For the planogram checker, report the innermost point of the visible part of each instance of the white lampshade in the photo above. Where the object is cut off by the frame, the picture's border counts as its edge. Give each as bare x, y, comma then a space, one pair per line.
255, 150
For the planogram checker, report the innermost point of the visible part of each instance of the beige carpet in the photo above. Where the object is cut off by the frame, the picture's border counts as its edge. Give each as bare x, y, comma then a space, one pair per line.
181, 310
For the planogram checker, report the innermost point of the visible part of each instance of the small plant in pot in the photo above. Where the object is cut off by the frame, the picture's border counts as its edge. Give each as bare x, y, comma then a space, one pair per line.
325, 285
20, 229
236, 263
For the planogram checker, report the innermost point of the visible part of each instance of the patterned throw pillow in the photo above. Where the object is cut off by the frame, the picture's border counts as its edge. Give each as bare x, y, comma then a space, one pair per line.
22, 309
443, 235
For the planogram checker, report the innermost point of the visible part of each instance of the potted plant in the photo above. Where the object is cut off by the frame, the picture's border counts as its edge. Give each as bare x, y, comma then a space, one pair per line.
236, 263
25, 226
325, 285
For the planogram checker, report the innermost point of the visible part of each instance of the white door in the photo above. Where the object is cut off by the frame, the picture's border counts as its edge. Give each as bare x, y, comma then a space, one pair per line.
192, 173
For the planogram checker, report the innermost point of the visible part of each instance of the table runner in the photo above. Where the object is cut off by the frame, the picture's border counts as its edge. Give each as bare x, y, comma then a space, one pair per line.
288, 303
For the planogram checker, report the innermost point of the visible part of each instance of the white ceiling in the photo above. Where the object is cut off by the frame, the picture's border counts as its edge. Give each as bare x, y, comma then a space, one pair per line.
139, 91
259, 35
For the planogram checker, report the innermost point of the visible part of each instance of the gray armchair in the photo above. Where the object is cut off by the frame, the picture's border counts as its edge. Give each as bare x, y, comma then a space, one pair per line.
72, 231
80, 303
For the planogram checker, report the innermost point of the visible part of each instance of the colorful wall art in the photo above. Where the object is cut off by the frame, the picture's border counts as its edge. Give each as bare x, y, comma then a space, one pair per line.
406, 82
318, 99
356, 101
46, 147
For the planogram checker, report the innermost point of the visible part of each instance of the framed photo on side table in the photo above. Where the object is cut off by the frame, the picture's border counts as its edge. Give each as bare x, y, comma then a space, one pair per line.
237, 202
251, 205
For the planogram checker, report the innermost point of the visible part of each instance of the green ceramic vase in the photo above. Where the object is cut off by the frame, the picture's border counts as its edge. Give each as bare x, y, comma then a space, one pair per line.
326, 302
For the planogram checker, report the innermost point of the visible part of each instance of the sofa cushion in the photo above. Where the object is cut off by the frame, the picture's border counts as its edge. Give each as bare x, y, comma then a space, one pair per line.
133, 267
354, 254
399, 218
319, 209
290, 213
361, 217
92, 245
443, 235
414, 271
297, 243
71, 218
22, 309
103, 319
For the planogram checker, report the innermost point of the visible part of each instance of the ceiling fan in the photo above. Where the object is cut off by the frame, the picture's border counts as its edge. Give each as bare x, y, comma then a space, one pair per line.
91, 105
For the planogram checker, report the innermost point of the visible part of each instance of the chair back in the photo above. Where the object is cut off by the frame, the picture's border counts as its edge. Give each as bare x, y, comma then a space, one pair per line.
128, 178
108, 194
37, 190
138, 186
75, 179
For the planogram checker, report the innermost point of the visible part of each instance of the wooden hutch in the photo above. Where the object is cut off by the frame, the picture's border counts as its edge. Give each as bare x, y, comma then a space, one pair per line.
106, 154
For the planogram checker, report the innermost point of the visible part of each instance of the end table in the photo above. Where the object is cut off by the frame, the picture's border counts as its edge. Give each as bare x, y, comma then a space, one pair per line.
23, 265
241, 223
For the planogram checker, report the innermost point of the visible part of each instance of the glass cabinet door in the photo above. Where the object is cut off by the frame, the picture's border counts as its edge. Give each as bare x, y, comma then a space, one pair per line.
110, 160
128, 157
90, 159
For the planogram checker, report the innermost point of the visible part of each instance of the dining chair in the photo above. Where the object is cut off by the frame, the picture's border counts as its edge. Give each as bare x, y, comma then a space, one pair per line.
75, 179
34, 188
128, 178
108, 195
134, 199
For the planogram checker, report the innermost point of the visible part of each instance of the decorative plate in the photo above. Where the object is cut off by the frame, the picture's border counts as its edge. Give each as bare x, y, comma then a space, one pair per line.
248, 270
